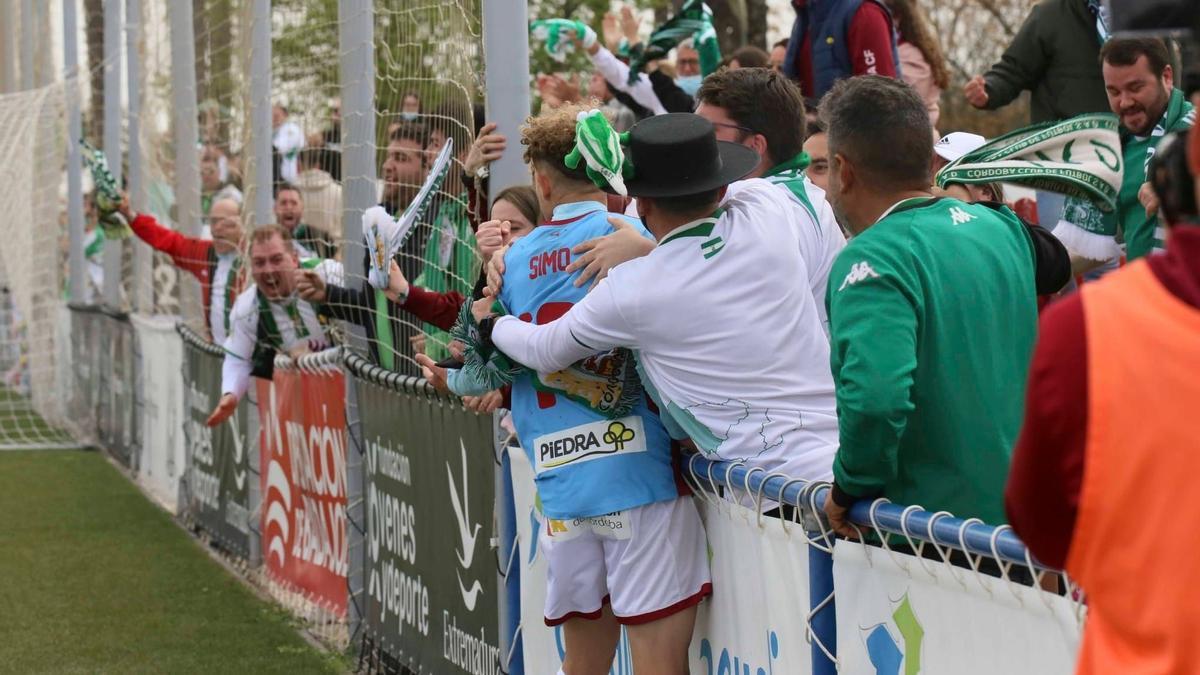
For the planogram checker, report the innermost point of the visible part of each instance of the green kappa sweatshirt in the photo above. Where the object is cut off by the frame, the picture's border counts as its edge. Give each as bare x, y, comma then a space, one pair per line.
933, 314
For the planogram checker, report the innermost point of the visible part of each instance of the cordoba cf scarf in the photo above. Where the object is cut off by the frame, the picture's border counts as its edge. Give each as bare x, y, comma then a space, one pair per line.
1079, 157
1088, 232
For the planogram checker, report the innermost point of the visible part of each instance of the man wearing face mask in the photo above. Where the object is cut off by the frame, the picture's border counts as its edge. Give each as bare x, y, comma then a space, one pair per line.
269, 317
410, 107
1140, 85
215, 262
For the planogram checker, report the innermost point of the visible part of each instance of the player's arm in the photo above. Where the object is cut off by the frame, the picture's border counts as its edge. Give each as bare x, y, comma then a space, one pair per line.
873, 345
595, 324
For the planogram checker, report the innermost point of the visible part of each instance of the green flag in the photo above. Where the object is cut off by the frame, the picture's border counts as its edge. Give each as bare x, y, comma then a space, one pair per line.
694, 20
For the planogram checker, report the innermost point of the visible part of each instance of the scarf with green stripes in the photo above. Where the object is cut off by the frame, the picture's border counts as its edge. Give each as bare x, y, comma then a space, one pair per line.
694, 20
1079, 157
606, 383
1090, 231
108, 193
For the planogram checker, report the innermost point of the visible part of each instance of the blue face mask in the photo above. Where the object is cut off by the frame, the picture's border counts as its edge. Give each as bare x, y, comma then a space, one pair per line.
690, 84
408, 116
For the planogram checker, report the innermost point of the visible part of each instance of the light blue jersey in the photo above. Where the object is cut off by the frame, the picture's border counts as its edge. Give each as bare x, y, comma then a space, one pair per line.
585, 463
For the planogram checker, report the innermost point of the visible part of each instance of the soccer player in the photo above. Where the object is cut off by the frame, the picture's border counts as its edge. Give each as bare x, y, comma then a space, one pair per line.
608, 487
734, 354
268, 317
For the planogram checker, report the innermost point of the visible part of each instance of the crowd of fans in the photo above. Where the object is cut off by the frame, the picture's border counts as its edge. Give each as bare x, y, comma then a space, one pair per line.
765, 270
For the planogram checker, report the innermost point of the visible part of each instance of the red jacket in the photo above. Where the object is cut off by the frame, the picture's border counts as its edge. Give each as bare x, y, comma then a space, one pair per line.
194, 255
1046, 476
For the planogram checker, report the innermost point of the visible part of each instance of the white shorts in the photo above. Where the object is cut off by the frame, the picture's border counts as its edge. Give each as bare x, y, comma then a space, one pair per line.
649, 562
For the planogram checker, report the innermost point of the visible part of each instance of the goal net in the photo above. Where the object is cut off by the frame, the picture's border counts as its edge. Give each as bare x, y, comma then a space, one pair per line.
32, 269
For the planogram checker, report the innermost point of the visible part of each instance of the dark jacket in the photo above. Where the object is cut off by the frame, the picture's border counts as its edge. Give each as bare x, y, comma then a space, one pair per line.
1055, 55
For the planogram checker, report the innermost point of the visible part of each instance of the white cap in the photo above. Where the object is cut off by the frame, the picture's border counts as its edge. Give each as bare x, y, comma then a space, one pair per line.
954, 145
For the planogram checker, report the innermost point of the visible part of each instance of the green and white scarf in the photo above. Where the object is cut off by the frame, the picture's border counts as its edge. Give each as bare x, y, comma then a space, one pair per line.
558, 36
1090, 232
1079, 157
694, 20
108, 194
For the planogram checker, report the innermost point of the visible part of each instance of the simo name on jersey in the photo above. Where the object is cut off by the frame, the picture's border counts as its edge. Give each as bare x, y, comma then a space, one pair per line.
550, 262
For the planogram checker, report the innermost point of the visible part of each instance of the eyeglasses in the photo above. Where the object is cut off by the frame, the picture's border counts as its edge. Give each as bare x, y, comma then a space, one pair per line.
687, 62
745, 130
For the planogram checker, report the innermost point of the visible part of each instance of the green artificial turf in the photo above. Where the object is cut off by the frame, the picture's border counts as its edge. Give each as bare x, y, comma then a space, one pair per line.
93, 578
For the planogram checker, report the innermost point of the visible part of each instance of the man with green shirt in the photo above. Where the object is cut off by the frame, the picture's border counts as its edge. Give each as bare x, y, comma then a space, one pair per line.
450, 263
933, 314
1140, 85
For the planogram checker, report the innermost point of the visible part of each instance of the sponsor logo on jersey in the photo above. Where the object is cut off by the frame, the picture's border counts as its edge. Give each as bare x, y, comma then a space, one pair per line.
615, 525
588, 442
858, 272
958, 216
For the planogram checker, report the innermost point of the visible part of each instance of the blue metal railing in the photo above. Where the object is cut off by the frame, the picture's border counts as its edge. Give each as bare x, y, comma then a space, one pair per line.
943, 529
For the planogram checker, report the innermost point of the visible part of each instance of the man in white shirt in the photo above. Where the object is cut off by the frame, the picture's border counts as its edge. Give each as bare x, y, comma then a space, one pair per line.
269, 317
288, 141
733, 353
764, 111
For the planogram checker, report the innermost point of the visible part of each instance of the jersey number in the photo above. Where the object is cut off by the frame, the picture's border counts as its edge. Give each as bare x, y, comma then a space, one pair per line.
545, 314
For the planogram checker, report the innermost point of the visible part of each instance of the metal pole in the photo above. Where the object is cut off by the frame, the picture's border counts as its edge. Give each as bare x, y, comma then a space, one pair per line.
27, 31
74, 133
143, 293
8, 37
507, 85
356, 39
112, 138
260, 110
187, 163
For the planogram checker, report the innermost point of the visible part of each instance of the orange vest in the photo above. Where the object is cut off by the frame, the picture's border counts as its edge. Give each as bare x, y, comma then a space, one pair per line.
1136, 545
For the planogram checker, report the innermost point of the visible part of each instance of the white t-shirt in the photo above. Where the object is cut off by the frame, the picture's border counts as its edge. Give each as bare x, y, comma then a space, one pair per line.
288, 141
296, 320
817, 231
820, 237
732, 348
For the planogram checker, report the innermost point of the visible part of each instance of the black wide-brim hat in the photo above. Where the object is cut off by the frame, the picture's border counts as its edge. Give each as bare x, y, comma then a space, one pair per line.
678, 154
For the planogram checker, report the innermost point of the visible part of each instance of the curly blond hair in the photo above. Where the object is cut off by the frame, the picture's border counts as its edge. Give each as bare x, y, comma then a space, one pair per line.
550, 136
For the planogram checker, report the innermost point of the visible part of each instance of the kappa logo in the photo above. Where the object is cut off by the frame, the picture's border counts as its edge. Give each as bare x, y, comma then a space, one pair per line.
958, 216
858, 272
